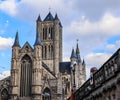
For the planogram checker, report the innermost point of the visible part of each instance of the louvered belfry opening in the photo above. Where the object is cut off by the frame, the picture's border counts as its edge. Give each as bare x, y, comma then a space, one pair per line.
26, 76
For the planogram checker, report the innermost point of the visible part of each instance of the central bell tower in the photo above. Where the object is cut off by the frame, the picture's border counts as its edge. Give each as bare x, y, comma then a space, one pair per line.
50, 30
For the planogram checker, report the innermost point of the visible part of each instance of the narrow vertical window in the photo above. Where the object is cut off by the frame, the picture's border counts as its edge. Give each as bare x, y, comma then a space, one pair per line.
46, 33
45, 52
49, 51
26, 76
43, 34
51, 33
52, 51
42, 52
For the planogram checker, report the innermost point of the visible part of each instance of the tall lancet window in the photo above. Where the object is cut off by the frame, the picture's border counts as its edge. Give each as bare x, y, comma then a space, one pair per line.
26, 76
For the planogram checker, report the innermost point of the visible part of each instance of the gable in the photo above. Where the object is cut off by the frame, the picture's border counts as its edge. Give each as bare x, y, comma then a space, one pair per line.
26, 48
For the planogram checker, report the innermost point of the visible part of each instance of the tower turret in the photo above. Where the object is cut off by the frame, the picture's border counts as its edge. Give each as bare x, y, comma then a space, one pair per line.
73, 69
50, 33
15, 47
38, 26
37, 67
14, 67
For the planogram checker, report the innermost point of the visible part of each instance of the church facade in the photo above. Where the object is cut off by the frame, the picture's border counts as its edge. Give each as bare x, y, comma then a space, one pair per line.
38, 72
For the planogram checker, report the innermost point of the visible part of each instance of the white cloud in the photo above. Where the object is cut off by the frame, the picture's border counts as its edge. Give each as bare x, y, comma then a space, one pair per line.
66, 59
113, 47
4, 74
9, 6
29, 9
6, 43
91, 34
107, 25
96, 59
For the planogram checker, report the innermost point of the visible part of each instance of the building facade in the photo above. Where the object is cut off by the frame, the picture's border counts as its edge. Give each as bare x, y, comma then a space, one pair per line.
38, 72
104, 84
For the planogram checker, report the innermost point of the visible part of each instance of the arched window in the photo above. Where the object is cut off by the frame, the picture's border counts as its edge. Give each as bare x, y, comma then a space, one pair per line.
26, 76
4, 94
46, 95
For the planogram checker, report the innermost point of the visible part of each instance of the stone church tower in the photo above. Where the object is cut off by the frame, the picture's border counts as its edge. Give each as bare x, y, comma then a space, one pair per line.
33, 68
38, 72
50, 32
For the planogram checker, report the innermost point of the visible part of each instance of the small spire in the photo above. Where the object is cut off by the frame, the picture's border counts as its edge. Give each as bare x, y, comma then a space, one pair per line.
73, 55
37, 41
39, 18
78, 52
77, 48
56, 17
16, 42
83, 63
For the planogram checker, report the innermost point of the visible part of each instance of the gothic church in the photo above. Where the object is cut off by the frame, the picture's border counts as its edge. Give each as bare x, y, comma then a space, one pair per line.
38, 72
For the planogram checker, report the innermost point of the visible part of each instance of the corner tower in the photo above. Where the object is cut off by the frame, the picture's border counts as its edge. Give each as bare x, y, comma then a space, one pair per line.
50, 30
14, 68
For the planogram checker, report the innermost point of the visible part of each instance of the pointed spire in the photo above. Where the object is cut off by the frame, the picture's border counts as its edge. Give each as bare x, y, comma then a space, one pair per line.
39, 18
56, 17
37, 41
73, 55
83, 63
78, 52
49, 17
16, 42
77, 48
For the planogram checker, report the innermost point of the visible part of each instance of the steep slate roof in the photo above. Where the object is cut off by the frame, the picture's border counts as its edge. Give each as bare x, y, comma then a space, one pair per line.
49, 17
73, 54
56, 17
65, 67
37, 41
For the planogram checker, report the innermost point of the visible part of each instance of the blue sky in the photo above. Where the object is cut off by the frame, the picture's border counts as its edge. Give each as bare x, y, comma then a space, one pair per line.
95, 23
